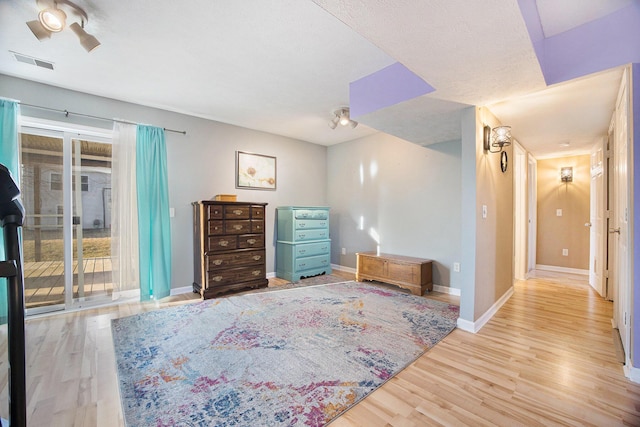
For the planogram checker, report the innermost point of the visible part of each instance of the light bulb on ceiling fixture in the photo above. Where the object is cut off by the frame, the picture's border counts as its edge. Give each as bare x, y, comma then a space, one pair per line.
53, 19
341, 116
344, 117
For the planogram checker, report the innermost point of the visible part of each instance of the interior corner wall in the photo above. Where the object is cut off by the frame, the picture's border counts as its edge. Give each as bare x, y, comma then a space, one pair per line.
571, 199
495, 233
200, 164
469, 218
401, 197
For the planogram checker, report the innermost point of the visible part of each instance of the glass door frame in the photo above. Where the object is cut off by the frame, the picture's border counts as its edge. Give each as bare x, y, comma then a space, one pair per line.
67, 132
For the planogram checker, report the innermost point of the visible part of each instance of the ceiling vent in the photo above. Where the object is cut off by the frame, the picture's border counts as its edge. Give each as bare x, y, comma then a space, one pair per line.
33, 61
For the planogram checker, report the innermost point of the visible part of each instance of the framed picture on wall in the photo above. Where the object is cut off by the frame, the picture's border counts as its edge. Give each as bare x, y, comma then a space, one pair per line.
255, 171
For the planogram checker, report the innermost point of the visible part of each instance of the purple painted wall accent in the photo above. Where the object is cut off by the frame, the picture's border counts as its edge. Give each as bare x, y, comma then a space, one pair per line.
386, 87
635, 303
599, 45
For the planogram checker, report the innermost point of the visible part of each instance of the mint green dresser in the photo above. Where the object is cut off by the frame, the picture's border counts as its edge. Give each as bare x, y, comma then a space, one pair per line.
303, 247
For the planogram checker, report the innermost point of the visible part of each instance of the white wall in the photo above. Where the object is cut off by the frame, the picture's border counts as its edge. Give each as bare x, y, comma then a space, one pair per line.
385, 191
200, 164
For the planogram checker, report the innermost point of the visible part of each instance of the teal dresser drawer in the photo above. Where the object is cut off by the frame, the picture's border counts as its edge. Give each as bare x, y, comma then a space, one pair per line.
303, 247
315, 213
306, 235
310, 249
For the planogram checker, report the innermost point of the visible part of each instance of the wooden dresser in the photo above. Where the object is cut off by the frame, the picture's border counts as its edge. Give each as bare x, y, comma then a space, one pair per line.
228, 247
303, 247
410, 273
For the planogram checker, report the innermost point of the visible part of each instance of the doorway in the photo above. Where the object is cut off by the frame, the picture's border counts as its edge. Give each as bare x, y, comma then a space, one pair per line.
65, 186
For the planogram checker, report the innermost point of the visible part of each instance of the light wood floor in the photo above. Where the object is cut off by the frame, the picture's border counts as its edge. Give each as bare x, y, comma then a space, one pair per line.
546, 358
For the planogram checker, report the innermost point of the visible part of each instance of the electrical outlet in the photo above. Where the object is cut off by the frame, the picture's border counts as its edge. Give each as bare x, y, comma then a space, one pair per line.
565, 252
344, 251
558, 212
456, 267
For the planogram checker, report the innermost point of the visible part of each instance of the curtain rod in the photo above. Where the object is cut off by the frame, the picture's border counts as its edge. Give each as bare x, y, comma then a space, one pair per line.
66, 113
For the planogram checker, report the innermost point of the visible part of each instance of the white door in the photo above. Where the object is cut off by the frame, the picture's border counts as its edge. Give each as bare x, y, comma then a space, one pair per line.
620, 216
596, 220
520, 218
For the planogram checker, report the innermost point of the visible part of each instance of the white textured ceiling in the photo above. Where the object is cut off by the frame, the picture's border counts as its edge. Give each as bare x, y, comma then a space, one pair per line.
283, 66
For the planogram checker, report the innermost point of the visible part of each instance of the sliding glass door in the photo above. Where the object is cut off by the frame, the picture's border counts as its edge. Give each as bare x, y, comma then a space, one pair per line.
66, 191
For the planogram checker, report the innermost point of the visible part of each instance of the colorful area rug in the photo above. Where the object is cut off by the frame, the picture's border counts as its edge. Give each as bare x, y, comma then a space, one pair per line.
296, 357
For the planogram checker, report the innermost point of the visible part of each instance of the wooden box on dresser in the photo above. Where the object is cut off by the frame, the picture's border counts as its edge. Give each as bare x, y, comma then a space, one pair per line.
303, 247
228, 247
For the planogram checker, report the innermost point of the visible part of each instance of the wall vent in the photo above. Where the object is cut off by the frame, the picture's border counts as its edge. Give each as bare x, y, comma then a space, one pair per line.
33, 61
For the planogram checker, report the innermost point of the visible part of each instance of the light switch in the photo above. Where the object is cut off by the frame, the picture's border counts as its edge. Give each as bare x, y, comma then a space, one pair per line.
558, 212
484, 211
172, 212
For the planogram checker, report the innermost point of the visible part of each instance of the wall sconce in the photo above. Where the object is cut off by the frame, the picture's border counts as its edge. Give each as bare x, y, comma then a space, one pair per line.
494, 140
566, 174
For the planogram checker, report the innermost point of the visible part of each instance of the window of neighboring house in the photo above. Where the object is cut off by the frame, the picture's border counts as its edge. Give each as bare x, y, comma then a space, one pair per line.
60, 212
56, 181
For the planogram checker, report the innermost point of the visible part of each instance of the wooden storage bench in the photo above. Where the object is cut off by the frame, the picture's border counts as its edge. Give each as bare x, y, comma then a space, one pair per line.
410, 273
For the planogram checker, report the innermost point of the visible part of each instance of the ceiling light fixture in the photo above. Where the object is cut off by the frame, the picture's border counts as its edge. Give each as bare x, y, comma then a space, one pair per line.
342, 116
52, 19
494, 140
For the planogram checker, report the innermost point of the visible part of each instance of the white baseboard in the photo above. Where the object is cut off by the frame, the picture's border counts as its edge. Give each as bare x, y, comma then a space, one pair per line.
343, 268
562, 269
182, 290
446, 290
474, 327
632, 373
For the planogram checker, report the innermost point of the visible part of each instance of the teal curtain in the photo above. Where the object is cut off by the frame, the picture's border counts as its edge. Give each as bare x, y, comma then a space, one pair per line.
9, 111
153, 213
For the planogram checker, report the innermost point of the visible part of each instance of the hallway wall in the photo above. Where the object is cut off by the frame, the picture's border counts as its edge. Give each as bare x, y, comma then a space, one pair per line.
571, 200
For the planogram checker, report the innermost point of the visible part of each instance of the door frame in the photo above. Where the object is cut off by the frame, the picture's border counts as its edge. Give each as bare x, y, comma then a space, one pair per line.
520, 211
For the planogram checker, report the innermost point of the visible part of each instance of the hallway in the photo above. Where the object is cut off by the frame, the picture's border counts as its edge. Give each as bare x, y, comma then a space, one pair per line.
546, 358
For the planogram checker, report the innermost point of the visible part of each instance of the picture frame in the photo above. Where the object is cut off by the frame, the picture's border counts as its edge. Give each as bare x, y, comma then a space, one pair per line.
255, 171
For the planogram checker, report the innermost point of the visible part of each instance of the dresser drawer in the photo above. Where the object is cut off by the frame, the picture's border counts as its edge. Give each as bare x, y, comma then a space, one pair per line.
216, 227
305, 224
257, 212
246, 241
257, 226
235, 275
302, 235
310, 249
222, 243
309, 263
237, 212
237, 226
311, 214
236, 259
216, 211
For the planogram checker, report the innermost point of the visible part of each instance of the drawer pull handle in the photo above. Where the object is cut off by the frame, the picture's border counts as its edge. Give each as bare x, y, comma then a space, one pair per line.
237, 227
256, 272
217, 261
216, 278
238, 211
256, 257
302, 251
302, 235
251, 241
223, 243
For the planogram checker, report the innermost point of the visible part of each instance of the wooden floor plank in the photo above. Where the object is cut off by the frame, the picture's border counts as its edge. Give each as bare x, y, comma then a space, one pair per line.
546, 358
